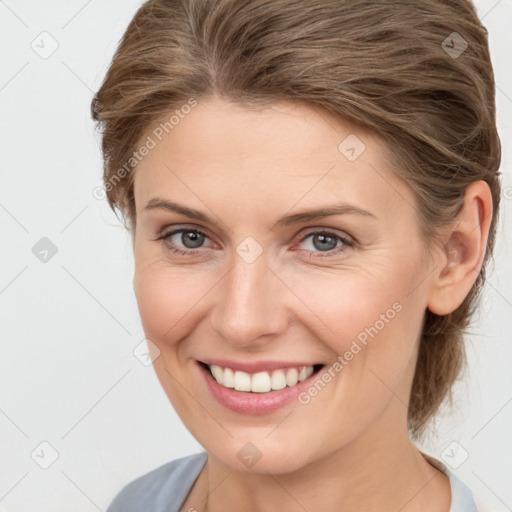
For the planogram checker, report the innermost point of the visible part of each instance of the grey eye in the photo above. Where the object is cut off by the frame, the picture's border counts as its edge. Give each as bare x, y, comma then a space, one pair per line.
192, 239
321, 242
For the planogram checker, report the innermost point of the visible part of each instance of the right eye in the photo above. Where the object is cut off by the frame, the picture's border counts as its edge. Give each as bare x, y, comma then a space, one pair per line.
184, 240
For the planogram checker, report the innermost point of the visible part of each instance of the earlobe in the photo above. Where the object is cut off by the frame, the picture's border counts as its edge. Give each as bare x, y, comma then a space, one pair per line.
463, 252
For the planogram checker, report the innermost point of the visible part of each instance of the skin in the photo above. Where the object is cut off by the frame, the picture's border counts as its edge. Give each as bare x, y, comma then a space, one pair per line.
348, 448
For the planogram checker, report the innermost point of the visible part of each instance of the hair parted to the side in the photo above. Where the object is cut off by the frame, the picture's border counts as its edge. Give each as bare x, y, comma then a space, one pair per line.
381, 65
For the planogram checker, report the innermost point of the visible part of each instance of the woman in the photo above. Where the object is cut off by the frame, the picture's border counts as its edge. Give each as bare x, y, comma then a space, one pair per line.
312, 190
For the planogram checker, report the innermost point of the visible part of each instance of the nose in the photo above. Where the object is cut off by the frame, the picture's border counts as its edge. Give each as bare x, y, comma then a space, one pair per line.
250, 309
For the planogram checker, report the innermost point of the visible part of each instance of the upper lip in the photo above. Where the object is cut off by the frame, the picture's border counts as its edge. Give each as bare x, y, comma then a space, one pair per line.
256, 366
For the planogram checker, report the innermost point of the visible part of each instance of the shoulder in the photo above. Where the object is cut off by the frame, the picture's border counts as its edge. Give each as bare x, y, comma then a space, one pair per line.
165, 486
462, 498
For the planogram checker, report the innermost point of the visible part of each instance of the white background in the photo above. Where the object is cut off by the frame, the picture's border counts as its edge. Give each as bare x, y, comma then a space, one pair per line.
69, 326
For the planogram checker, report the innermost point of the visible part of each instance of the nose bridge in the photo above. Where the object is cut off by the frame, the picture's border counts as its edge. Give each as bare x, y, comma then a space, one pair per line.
250, 306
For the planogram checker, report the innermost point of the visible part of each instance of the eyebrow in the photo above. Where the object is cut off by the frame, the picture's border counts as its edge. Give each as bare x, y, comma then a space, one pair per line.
340, 209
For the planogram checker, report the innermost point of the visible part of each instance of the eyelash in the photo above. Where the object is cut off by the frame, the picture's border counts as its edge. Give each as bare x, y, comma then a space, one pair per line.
314, 254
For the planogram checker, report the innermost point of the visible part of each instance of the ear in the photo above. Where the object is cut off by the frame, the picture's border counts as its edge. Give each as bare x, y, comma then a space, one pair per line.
463, 252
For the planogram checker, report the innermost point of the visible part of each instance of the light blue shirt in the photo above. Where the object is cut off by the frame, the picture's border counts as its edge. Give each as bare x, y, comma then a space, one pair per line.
164, 489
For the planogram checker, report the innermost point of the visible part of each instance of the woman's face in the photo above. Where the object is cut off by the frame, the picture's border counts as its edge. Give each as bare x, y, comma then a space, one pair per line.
234, 267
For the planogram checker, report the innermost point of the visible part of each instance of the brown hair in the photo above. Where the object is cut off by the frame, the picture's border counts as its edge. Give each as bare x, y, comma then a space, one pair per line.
400, 69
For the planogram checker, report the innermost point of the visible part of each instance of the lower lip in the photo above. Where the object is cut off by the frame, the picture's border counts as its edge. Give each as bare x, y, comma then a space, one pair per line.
250, 402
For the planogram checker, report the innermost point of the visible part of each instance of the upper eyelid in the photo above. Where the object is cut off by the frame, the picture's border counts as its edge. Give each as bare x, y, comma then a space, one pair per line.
345, 237
167, 232
305, 231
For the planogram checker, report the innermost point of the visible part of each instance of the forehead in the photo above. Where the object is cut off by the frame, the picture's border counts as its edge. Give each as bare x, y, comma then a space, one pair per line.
285, 152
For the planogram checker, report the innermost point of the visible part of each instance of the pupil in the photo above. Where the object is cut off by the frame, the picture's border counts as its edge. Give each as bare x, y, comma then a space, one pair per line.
191, 239
325, 242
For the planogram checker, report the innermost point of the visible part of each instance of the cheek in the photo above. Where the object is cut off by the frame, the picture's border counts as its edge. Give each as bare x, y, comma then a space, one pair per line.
169, 302
371, 321
169, 299
372, 326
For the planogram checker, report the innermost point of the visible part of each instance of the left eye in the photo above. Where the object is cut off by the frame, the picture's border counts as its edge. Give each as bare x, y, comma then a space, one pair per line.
324, 242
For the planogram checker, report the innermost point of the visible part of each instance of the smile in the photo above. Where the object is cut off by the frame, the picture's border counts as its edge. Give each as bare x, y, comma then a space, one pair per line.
254, 390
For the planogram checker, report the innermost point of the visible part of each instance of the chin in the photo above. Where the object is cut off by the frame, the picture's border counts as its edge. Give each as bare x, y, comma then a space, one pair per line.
275, 463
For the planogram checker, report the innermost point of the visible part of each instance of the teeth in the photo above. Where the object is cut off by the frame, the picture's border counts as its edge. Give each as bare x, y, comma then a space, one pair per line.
292, 377
242, 381
260, 382
229, 377
303, 374
278, 379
